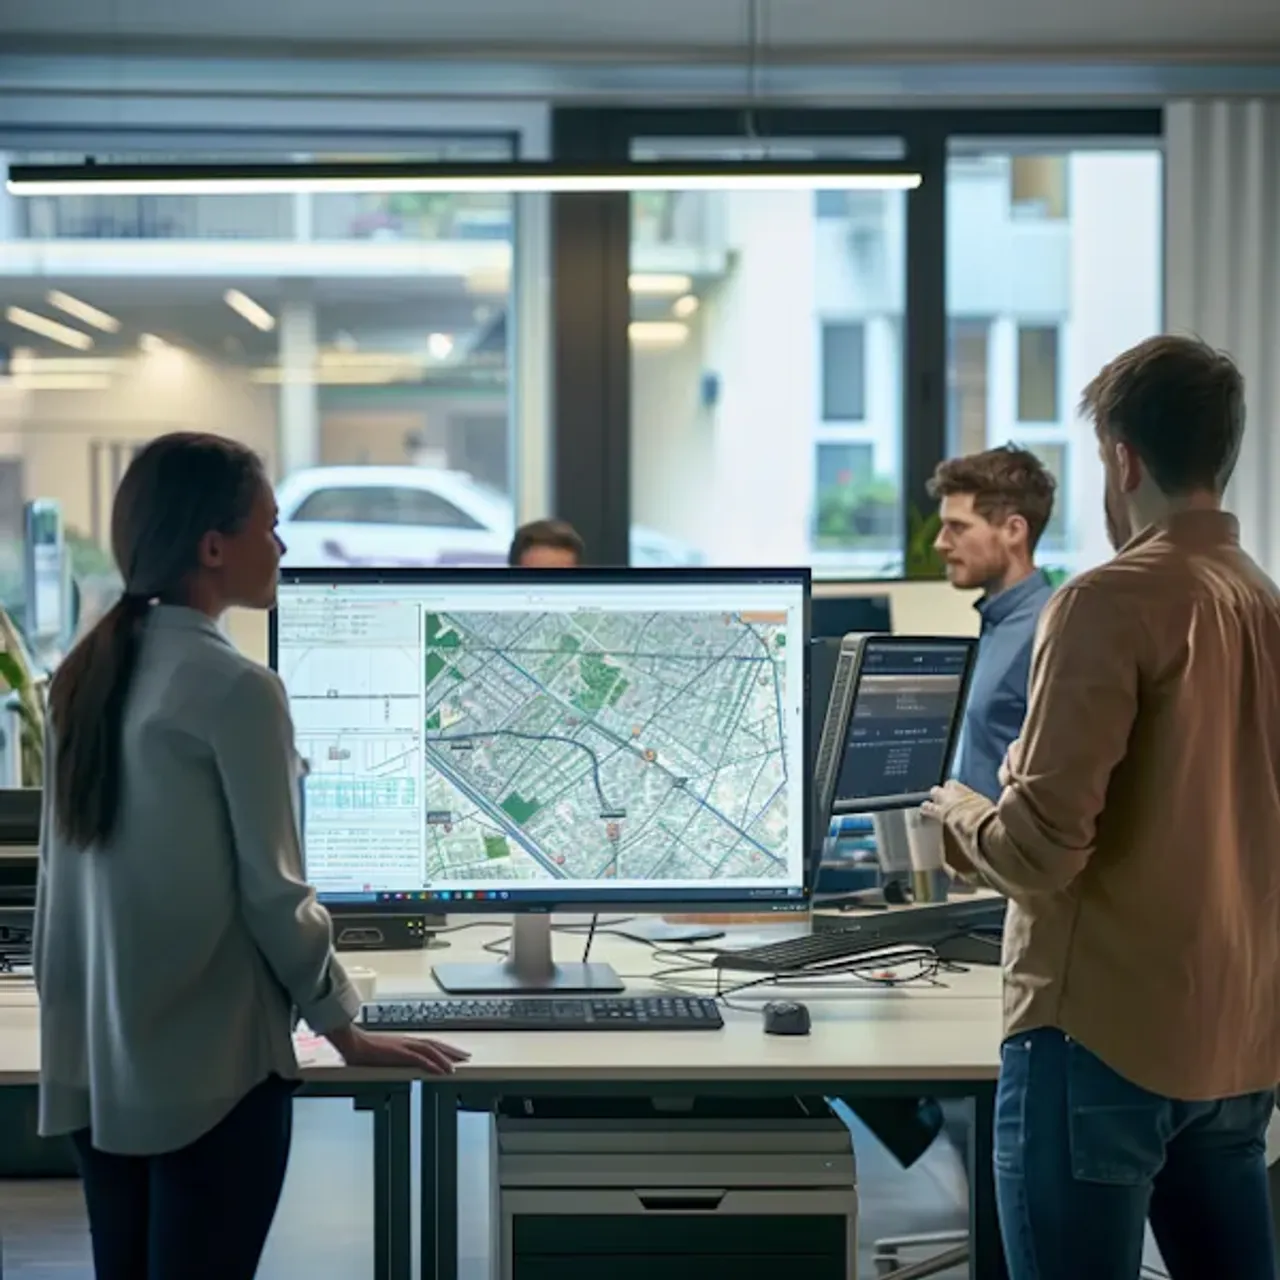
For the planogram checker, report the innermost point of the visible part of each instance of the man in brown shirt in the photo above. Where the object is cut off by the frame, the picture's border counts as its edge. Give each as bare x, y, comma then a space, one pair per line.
1138, 840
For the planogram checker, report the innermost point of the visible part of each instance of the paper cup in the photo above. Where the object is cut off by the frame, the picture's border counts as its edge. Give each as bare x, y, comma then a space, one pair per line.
365, 982
928, 867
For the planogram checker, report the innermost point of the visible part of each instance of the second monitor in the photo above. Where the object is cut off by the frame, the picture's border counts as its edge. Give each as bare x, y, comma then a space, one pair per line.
505, 740
892, 723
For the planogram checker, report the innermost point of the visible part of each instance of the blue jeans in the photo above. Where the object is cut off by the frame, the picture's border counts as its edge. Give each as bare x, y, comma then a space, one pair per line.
1083, 1158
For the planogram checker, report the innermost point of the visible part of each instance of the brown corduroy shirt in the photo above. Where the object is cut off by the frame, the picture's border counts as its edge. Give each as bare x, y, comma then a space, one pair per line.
1138, 834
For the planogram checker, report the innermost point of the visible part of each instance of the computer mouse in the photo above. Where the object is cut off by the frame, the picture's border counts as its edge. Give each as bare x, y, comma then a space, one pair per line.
786, 1018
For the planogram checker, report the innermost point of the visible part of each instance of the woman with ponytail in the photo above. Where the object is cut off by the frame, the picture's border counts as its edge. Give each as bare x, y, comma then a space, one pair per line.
175, 936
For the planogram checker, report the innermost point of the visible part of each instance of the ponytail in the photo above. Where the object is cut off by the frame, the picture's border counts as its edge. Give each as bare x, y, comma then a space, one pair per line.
86, 711
177, 489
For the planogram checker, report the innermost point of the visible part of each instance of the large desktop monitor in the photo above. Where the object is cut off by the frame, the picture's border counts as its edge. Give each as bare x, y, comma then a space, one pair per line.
892, 722
525, 741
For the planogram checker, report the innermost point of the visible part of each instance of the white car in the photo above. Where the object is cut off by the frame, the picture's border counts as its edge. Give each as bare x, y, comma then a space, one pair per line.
409, 515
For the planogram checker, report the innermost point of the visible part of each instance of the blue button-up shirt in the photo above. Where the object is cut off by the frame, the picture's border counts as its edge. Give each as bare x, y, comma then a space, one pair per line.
998, 691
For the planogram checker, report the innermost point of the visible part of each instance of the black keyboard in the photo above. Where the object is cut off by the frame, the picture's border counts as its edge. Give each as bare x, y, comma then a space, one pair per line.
546, 1013
805, 953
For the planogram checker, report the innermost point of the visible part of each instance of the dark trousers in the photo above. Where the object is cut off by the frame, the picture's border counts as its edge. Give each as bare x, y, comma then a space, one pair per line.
199, 1213
1084, 1158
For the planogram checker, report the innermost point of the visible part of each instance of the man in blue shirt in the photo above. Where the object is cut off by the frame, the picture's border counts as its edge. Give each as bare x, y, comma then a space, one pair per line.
994, 507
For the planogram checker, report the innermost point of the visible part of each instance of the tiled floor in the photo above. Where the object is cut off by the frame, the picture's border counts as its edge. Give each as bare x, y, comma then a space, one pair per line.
324, 1225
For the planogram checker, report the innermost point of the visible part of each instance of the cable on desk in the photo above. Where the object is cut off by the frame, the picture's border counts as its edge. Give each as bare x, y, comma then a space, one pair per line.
870, 970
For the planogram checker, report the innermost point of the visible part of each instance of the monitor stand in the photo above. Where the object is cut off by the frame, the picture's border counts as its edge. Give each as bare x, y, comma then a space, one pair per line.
529, 968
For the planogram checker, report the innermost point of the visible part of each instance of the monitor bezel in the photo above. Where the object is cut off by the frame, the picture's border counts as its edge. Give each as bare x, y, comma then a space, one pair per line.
744, 903
906, 800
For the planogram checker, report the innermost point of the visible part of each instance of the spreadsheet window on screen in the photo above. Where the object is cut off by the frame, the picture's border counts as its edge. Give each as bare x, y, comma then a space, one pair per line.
567, 741
903, 722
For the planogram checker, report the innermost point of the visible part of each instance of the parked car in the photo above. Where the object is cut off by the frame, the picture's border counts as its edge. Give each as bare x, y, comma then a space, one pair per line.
410, 515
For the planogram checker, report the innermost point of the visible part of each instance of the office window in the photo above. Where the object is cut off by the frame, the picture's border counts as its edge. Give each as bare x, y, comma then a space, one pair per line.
755, 320
1038, 385
1055, 458
854, 508
968, 375
844, 361
831, 204
1038, 186
1056, 295
351, 331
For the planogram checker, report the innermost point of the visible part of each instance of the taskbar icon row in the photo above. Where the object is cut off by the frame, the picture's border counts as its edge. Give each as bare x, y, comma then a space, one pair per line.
447, 895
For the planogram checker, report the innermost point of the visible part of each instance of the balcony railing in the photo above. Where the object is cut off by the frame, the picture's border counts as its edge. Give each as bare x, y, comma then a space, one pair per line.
414, 217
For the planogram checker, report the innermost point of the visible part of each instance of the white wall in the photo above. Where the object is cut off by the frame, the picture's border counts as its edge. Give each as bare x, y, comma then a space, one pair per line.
672, 436
736, 479
1116, 300
169, 390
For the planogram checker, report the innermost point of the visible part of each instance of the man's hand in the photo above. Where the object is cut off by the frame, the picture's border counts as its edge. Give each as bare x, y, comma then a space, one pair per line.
945, 798
942, 802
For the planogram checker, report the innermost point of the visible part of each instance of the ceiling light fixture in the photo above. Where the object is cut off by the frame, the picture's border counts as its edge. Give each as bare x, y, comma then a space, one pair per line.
62, 382
683, 308
47, 328
513, 178
440, 345
245, 307
657, 333
659, 283
82, 311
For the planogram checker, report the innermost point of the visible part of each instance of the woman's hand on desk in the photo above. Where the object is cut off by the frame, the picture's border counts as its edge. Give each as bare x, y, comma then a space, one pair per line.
360, 1049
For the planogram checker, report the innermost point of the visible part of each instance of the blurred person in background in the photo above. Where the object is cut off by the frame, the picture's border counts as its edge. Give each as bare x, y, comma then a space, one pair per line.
547, 544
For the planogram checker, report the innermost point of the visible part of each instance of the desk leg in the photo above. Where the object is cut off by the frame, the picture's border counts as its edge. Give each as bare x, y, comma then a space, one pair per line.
428, 1183
381, 1112
400, 1190
392, 1172
439, 1183
447, 1184
986, 1250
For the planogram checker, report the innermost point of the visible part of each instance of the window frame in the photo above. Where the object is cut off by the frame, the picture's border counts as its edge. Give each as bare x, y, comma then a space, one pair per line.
591, 261
826, 323
1033, 324
300, 118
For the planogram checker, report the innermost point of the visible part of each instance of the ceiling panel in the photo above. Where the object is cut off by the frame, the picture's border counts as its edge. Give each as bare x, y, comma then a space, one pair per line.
830, 28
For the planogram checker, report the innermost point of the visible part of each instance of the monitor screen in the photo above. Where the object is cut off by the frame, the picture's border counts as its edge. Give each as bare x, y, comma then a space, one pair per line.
836, 616
905, 713
490, 739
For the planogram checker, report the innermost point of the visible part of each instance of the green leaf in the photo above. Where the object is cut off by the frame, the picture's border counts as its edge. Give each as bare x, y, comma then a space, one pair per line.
921, 560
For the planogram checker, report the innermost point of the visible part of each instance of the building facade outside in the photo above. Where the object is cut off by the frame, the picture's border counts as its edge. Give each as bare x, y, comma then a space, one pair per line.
373, 330
767, 396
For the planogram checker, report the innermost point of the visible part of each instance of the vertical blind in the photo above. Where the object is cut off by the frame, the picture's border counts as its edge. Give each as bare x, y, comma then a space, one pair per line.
1222, 277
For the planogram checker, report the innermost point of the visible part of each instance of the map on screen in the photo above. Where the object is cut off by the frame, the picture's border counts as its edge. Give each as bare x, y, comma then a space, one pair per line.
509, 746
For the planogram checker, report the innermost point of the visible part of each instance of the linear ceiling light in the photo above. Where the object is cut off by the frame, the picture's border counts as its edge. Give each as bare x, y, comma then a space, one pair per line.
657, 333
47, 328
529, 176
83, 311
245, 307
659, 284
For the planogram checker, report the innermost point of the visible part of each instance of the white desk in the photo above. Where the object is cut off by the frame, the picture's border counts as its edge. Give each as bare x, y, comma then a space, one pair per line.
928, 1040
941, 1040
